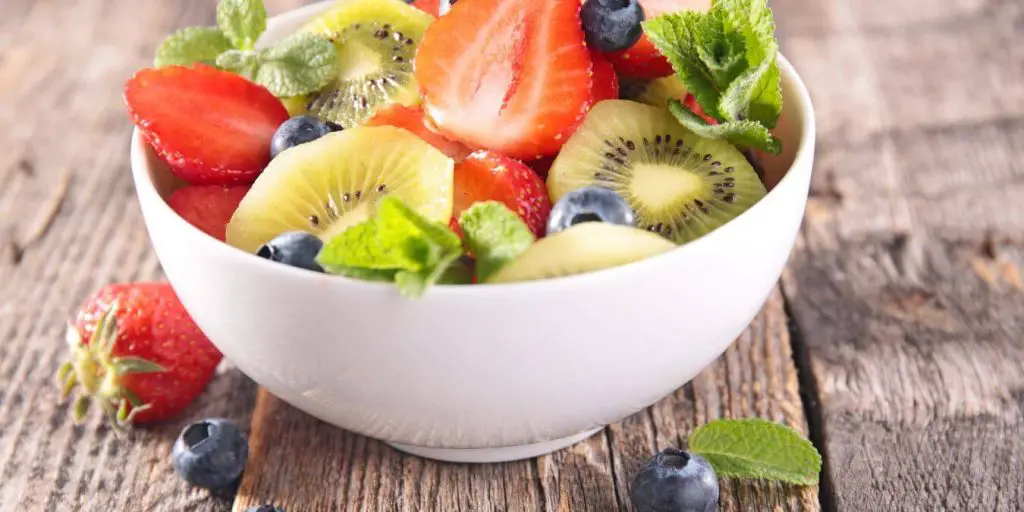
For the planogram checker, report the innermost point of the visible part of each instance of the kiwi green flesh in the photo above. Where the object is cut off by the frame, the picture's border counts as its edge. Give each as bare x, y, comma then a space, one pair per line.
376, 69
680, 185
583, 248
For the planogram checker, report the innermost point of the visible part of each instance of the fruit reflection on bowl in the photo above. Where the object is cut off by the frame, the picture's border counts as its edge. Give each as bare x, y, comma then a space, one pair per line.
491, 372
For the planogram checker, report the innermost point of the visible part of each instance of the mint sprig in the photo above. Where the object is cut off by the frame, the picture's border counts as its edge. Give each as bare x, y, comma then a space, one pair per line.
242, 21
757, 449
495, 235
301, 64
396, 244
726, 57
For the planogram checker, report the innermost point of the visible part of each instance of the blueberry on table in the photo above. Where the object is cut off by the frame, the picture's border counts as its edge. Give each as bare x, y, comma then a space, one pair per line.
298, 130
675, 481
210, 454
589, 204
612, 25
295, 248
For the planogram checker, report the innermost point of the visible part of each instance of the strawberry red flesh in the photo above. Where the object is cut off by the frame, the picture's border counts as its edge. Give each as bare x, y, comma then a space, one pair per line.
212, 127
413, 120
507, 75
488, 176
208, 207
606, 82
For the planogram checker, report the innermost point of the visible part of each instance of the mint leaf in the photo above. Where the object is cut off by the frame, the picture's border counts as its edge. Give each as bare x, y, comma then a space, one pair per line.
241, 62
741, 133
495, 235
726, 57
756, 448
396, 244
191, 45
301, 64
243, 21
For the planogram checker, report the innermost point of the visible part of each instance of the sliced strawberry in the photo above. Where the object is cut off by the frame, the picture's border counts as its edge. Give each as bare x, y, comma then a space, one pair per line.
488, 176
208, 207
413, 119
606, 82
643, 60
428, 6
691, 102
212, 127
511, 76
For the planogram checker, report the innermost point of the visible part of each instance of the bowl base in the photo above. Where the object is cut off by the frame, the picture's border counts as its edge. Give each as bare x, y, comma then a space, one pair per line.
503, 454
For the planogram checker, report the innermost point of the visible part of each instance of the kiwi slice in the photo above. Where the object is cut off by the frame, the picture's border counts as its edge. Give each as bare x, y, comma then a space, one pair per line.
679, 184
332, 183
657, 92
582, 248
376, 42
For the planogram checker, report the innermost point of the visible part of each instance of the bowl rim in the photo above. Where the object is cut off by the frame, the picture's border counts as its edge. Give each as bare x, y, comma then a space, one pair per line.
142, 155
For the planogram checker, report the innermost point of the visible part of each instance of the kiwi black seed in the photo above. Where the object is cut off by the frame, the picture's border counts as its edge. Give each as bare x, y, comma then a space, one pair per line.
680, 185
376, 41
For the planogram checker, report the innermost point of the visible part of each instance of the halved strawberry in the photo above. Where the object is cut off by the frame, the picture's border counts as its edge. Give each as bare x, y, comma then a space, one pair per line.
211, 126
643, 60
488, 176
691, 102
208, 207
512, 76
606, 82
427, 6
413, 119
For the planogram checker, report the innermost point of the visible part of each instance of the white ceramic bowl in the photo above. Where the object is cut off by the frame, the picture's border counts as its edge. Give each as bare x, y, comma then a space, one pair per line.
495, 372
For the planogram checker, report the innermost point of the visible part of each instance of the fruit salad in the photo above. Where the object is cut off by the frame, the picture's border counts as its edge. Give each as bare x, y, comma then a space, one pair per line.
465, 143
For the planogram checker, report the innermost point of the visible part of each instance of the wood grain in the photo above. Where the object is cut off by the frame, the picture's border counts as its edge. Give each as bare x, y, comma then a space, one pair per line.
69, 223
303, 464
905, 285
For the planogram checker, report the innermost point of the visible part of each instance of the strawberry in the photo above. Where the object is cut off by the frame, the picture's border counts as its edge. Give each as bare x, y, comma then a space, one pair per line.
428, 6
511, 76
606, 82
413, 119
137, 353
488, 176
208, 207
541, 166
643, 60
691, 102
211, 126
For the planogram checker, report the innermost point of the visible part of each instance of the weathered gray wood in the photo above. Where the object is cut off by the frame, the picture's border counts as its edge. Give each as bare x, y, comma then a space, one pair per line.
69, 223
906, 285
303, 464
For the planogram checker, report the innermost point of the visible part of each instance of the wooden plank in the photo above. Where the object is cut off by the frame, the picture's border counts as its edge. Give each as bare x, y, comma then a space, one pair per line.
906, 284
301, 463
62, 66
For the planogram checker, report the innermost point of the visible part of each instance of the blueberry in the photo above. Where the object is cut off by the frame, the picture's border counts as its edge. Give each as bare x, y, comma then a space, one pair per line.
210, 454
295, 248
612, 25
298, 130
265, 508
444, 6
589, 204
675, 481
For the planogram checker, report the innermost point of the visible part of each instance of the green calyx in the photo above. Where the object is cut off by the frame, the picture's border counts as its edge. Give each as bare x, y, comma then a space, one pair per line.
98, 375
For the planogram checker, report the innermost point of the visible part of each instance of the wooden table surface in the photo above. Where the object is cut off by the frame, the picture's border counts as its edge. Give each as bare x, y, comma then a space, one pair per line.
894, 340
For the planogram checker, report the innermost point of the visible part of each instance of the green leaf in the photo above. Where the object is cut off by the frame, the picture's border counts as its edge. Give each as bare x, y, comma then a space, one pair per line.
241, 62
396, 244
726, 57
495, 235
191, 45
301, 64
130, 364
741, 133
242, 21
759, 449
